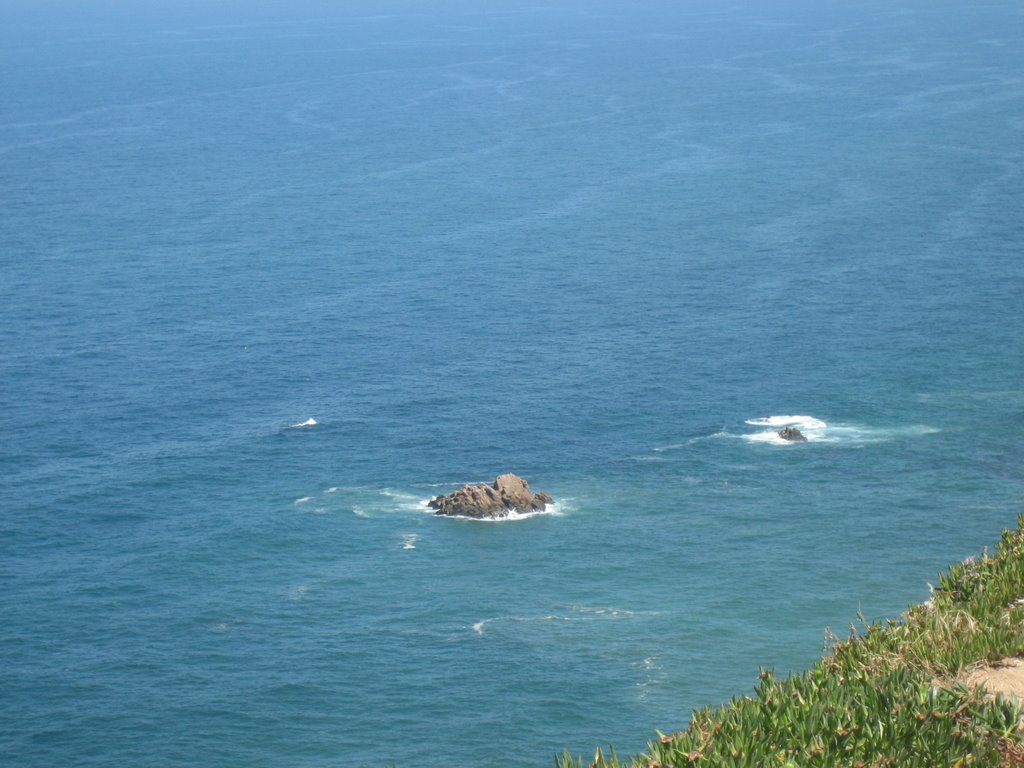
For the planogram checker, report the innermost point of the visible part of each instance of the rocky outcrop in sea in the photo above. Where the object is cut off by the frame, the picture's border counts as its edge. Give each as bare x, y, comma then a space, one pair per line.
508, 494
792, 434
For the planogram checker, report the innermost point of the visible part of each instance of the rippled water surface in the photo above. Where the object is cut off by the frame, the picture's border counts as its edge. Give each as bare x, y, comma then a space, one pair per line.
273, 275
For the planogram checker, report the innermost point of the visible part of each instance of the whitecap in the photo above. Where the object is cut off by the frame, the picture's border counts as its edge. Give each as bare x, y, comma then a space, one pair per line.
509, 517
332, 489
306, 423
303, 500
359, 512
769, 437
800, 422
554, 509
842, 433
811, 428
409, 541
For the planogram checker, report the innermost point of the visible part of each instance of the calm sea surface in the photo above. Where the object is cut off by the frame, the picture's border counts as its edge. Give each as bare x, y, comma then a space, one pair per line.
586, 242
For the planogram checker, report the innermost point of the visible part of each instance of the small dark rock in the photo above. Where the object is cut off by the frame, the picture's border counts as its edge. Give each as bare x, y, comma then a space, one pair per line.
792, 434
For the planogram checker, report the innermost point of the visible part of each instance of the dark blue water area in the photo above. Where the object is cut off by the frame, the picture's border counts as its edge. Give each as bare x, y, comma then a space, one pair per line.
612, 249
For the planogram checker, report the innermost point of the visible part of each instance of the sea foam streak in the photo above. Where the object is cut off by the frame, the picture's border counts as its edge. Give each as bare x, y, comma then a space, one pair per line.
404, 502
651, 675
575, 613
306, 423
480, 627
818, 431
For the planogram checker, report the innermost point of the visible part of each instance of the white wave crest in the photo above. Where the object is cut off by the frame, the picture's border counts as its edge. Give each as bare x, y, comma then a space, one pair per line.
818, 431
771, 437
554, 509
409, 541
800, 422
303, 500
811, 428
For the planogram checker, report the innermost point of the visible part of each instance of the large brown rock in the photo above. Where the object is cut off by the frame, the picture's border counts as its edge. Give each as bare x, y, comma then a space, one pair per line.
509, 493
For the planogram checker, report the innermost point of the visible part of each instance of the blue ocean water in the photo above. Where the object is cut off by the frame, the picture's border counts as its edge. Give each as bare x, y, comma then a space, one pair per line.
589, 243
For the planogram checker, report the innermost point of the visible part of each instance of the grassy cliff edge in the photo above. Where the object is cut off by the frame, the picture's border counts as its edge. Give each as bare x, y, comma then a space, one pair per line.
889, 695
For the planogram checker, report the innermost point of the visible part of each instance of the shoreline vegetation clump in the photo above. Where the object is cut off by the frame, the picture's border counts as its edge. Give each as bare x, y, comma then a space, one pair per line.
892, 694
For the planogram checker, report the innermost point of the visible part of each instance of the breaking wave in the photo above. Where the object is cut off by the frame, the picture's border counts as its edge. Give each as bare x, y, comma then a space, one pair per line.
819, 431
802, 422
555, 509
387, 502
811, 428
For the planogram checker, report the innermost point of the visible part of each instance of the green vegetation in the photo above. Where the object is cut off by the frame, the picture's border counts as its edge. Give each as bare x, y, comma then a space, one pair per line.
879, 699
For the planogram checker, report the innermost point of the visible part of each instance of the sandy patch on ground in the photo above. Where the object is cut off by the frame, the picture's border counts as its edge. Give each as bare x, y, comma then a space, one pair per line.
1005, 677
